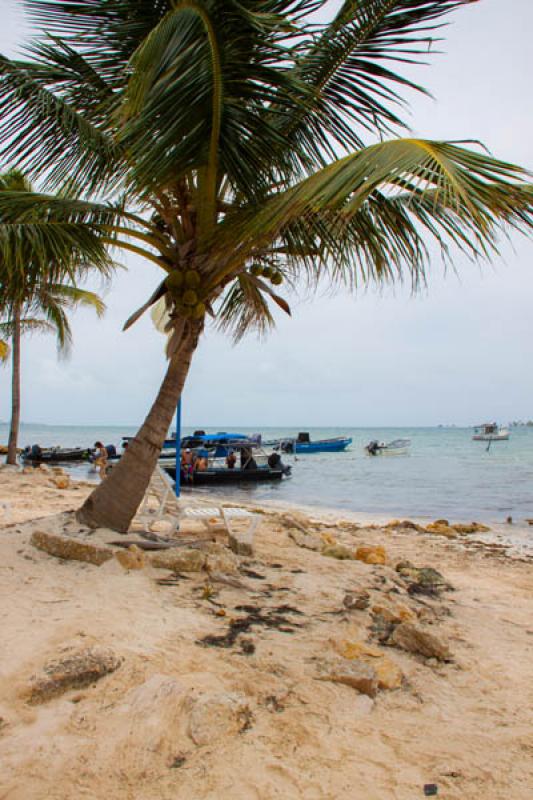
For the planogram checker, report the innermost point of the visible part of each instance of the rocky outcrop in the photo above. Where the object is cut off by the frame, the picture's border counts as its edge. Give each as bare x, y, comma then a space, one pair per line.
339, 551
309, 541
388, 673
180, 560
358, 675
357, 600
375, 554
221, 560
215, 716
405, 524
441, 528
70, 548
415, 639
132, 558
74, 672
423, 580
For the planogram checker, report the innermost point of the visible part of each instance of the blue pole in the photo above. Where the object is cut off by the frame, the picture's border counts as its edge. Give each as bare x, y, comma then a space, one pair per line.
177, 482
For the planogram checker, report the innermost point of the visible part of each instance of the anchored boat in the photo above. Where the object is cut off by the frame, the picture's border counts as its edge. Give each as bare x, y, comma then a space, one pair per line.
55, 455
303, 444
490, 432
398, 447
227, 460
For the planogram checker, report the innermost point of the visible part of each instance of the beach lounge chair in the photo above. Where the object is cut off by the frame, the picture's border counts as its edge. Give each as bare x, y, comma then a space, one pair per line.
215, 516
162, 487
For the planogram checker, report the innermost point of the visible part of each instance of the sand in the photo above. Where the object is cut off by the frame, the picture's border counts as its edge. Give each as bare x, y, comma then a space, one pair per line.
182, 720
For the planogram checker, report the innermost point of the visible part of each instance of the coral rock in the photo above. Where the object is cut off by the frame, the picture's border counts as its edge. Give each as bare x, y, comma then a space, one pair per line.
415, 639
396, 615
338, 551
359, 600
440, 529
70, 548
388, 673
215, 716
132, 558
371, 555
74, 672
473, 527
309, 541
358, 675
220, 559
180, 560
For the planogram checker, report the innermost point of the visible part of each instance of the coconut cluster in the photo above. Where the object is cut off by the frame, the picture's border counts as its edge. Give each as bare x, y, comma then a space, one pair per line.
273, 275
185, 288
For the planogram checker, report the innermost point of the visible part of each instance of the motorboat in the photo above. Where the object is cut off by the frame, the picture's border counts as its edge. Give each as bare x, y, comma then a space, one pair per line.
35, 454
490, 432
233, 461
397, 447
304, 444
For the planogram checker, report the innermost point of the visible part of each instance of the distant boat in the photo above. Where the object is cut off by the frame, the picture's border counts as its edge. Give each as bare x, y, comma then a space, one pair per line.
490, 432
303, 444
397, 447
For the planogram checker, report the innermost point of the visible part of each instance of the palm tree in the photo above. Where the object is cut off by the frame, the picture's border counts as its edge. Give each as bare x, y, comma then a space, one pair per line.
47, 306
39, 266
238, 145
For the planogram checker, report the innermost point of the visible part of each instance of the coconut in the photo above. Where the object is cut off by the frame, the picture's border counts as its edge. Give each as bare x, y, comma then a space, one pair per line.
267, 272
256, 269
190, 298
174, 281
276, 278
199, 310
192, 279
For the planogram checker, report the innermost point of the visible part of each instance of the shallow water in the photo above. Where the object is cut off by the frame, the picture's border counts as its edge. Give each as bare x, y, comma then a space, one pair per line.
446, 474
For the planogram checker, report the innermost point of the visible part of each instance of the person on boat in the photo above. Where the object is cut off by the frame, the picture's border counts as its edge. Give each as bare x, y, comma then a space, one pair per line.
247, 459
231, 460
187, 465
201, 463
101, 459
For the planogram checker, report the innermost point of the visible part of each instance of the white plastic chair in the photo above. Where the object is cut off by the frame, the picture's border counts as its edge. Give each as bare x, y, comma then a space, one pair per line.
214, 516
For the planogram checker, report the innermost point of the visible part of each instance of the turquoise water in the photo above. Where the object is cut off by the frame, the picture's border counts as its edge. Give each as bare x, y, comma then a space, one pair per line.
446, 474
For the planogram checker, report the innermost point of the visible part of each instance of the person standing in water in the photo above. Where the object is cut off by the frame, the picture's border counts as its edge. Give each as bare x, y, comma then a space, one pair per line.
101, 459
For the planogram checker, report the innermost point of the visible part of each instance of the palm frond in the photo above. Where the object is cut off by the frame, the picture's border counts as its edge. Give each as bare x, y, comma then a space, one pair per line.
244, 309
48, 137
466, 197
354, 66
68, 296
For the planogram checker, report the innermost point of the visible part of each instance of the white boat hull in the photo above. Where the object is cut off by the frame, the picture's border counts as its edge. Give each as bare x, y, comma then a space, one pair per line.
491, 437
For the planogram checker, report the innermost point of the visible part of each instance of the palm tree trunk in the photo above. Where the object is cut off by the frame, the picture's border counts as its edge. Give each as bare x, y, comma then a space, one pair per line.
114, 503
15, 390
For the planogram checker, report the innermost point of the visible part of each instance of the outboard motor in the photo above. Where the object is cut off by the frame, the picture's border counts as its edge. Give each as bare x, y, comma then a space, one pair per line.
35, 452
274, 460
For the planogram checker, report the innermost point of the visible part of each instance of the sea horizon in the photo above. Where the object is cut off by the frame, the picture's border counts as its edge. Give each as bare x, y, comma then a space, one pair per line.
445, 474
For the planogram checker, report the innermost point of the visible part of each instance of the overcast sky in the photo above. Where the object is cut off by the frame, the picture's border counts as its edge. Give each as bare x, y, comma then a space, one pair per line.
458, 352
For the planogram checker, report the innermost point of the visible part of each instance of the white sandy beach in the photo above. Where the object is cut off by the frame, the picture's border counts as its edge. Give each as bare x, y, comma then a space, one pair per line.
264, 717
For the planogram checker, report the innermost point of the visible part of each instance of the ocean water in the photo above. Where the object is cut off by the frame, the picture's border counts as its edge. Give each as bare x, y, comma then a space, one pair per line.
446, 474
